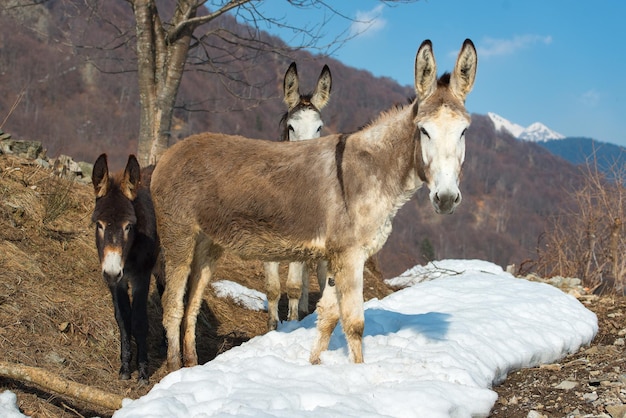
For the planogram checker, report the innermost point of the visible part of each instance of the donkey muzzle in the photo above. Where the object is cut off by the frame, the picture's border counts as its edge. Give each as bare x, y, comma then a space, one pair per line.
446, 202
112, 267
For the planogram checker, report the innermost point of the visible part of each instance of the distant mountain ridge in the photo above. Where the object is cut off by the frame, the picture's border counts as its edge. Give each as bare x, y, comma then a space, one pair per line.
536, 132
82, 113
576, 150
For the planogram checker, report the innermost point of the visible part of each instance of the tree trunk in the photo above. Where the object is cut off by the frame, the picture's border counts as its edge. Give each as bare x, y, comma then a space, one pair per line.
615, 253
161, 62
52, 382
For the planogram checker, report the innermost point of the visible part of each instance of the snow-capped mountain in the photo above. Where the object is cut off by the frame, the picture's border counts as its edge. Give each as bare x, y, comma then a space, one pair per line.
537, 132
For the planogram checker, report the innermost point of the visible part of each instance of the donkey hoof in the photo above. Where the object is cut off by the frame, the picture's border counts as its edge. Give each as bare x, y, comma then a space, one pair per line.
142, 378
315, 360
272, 325
124, 374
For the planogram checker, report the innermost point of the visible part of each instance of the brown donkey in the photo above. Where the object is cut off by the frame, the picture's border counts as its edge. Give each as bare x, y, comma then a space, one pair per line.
302, 121
333, 198
127, 244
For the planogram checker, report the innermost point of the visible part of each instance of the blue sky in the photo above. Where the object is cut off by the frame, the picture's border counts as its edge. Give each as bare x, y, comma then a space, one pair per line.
559, 62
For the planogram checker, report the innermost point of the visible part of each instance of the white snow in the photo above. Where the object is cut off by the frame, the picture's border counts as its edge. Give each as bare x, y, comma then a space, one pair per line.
501, 123
8, 405
433, 349
241, 295
536, 132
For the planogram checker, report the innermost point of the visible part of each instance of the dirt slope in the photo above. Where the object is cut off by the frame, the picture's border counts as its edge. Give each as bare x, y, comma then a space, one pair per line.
55, 313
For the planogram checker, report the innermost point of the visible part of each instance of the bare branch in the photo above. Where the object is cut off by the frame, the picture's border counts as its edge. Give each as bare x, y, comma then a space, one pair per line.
52, 382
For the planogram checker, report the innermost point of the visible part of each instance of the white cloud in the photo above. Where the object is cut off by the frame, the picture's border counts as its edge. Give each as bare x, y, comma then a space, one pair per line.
368, 22
590, 98
494, 47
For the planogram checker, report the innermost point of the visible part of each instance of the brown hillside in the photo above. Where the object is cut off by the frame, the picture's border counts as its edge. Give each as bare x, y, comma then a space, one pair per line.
79, 96
56, 311
56, 314
74, 108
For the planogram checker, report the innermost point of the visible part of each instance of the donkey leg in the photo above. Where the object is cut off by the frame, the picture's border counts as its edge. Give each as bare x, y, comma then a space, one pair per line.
322, 270
173, 310
121, 306
140, 288
177, 249
197, 285
349, 284
159, 277
272, 290
295, 288
201, 272
303, 305
327, 318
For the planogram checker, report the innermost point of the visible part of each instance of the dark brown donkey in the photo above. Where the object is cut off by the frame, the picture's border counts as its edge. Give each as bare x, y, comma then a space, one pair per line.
333, 198
127, 244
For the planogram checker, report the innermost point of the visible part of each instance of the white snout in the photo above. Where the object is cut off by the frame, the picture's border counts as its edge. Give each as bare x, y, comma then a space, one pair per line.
305, 124
112, 265
445, 194
446, 201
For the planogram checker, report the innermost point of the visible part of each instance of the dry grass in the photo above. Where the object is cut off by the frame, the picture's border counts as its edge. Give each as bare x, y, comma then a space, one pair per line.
55, 310
589, 240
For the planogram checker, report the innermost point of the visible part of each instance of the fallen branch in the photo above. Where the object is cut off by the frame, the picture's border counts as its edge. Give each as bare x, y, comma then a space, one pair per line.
57, 384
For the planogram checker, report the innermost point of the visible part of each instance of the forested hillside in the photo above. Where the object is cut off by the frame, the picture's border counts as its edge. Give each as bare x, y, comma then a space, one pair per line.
582, 151
75, 89
82, 101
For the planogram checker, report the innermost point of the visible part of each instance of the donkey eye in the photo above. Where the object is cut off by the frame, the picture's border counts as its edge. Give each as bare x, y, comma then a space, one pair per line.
463, 133
319, 129
290, 128
99, 226
128, 227
424, 132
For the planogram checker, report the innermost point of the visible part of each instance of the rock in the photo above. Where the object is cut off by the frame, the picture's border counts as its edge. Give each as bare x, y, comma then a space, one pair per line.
616, 411
85, 168
25, 149
42, 162
54, 357
66, 167
566, 385
551, 366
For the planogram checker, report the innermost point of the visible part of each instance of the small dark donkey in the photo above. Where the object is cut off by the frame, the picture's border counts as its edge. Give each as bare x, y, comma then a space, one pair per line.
128, 247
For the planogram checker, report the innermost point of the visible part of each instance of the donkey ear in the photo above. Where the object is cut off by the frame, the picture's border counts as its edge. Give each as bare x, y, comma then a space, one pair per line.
425, 71
100, 176
464, 74
321, 95
132, 176
291, 88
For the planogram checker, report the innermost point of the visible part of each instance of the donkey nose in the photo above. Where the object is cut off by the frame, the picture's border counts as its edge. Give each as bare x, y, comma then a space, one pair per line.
113, 277
445, 203
112, 267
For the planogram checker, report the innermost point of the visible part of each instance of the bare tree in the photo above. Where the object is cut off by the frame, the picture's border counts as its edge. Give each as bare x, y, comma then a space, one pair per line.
163, 49
173, 36
589, 240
